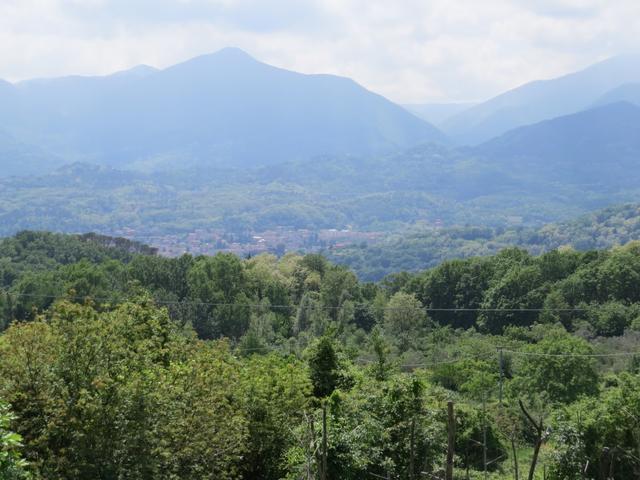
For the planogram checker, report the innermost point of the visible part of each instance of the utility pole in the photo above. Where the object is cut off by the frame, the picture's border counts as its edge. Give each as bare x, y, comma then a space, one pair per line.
484, 434
500, 360
451, 435
311, 446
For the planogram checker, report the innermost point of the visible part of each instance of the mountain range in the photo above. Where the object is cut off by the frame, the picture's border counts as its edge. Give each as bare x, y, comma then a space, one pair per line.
226, 141
224, 109
543, 99
229, 110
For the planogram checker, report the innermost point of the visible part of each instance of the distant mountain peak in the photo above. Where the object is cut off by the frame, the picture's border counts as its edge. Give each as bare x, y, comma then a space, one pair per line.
232, 52
228, 55
543, 99
229, 58
137, 71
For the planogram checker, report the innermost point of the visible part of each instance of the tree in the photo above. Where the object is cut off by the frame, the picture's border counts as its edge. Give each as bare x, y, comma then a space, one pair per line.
371, 429
404, 318
520, 288
324, 367
600, 436
611, 318
274, 392
455, 284
12, 465
219, 282
338, 285
381, 368
556, 367
122, 394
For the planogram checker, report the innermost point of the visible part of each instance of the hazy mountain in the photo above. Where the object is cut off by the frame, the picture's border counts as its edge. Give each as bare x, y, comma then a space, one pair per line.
629, 92
16, 158
437, 113
542, 100
599, 147
220, 109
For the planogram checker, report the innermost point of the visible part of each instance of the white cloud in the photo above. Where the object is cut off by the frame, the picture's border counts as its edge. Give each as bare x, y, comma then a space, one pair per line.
409, 50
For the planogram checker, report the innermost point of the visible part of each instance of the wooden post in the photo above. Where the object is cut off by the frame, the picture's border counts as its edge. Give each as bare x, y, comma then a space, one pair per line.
323, 474
451, 437
515, 458
500, 359
539, 429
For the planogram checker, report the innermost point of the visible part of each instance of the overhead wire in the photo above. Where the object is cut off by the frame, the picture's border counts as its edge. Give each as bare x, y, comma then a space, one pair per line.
283, 306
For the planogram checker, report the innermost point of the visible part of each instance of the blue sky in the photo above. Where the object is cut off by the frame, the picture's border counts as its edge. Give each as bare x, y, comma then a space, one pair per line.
408, 50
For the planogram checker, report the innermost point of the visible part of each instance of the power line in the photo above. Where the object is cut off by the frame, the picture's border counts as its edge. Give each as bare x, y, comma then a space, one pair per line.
428, 364
329, 307
576, 355
282, 306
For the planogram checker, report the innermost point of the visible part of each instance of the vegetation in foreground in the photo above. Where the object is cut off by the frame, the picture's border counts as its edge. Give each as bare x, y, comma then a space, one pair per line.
115, 363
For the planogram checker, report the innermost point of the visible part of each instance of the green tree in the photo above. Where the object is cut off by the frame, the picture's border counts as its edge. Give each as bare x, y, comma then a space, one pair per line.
558, 368
338, 286
404, 318
454, 284
12, 465
324, 367
602, 433
519, 288
275, 392
219, 282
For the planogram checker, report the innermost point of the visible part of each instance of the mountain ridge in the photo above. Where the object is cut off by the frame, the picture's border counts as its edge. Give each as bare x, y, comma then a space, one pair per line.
602, 143
543, 99
225, 108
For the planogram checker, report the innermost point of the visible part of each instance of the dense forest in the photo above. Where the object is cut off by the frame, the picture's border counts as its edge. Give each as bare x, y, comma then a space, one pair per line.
116, 363
419, 249
428, 184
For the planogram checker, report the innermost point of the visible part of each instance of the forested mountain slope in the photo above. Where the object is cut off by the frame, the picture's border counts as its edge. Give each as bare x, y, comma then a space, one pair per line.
413, 251
599, 148
429, 184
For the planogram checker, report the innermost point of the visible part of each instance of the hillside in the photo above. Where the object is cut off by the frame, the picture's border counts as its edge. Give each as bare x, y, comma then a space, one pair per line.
598, 148
17, 158
426, 184
414, 251
225, 109
542, 100
429, 185
629, 92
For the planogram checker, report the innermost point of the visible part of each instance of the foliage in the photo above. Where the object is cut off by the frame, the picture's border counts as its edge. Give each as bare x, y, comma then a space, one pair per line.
128, 365
12, 466
557, 367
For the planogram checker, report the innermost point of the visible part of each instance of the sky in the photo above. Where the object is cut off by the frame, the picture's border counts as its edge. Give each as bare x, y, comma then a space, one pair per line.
411, 51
